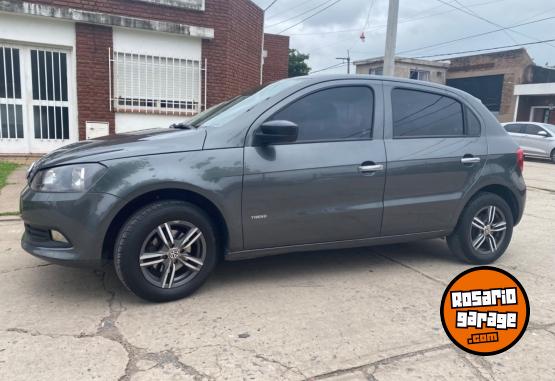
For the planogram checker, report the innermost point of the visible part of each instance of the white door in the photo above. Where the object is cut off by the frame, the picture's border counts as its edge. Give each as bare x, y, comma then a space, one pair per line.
37, 101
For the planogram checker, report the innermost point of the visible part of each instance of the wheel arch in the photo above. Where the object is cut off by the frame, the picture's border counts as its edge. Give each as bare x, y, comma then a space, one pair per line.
148, 197
505, 193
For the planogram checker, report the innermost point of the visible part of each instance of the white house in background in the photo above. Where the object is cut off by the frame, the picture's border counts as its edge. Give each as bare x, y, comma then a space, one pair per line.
412, 68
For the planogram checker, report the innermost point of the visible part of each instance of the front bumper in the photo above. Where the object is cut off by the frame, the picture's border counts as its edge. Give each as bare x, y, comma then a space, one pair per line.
83, 218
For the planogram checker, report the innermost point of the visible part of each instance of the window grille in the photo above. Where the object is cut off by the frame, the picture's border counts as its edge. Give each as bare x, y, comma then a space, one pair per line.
154, 84
11, 104
50, 94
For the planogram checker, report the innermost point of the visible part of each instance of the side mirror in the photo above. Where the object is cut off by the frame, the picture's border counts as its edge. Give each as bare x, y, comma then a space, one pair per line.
543, 134
276, 131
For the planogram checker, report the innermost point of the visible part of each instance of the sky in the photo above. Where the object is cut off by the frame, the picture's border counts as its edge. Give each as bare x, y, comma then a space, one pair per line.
333, 31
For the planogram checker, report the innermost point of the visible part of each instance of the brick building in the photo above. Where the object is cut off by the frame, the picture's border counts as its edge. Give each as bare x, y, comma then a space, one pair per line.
72, 69
276, 57
492, 78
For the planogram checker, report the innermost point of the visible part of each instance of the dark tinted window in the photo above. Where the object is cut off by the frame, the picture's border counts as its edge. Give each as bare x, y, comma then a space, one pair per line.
473, 127
532, 129
340, 113
422, 114
514, 128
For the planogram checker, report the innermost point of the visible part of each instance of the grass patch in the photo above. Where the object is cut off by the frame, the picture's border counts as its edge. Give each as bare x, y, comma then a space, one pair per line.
5, 169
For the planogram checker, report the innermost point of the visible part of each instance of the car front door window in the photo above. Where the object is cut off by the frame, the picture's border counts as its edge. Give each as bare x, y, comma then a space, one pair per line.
336, 114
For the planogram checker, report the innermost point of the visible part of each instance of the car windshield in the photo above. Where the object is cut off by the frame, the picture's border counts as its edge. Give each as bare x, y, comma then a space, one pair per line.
222, 113
549, 127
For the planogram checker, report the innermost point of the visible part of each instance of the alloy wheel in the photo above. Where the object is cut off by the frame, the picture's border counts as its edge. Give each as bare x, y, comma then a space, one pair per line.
488, 229
172, 254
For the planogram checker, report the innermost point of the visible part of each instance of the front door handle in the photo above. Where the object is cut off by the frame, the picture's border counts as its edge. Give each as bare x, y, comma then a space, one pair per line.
470, 160
370, 168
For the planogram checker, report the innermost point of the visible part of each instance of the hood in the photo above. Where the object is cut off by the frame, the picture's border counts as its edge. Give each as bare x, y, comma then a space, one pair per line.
145, 142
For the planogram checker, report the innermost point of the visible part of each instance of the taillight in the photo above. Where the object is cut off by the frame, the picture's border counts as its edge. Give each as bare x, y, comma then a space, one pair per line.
520, 159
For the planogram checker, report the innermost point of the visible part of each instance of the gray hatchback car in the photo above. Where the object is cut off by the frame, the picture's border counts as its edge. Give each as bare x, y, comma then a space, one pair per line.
309, 163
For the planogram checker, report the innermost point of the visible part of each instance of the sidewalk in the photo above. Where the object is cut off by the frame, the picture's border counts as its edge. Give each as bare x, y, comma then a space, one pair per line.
9, 195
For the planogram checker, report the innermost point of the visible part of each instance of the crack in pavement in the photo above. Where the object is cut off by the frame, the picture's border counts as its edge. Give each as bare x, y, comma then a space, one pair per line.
542, 189
516, 268
287, 367
109, 330
486, 365
385, 361
475, 369
25, 268
430, 277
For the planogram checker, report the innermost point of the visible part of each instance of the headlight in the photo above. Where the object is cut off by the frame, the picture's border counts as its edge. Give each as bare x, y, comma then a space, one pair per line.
69, 178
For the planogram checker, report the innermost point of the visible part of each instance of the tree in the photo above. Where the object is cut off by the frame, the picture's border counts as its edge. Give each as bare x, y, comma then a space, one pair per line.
297, 64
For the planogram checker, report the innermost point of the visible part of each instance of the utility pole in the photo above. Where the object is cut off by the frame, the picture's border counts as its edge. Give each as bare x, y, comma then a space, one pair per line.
391, 38
348, 60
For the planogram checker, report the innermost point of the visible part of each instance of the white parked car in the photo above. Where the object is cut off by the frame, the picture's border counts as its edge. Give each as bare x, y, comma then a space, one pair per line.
536, 139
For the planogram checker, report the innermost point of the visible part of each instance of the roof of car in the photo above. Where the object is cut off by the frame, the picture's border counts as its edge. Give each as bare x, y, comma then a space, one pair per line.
546, 125
334, 77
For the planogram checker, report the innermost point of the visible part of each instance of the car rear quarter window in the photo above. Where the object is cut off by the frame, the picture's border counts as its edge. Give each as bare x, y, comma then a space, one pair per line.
473, 127
423, 114
514, 128
334, 114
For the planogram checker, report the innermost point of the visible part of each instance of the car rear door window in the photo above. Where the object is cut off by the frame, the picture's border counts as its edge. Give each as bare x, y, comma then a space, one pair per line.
514, 128
334, 114
423, 114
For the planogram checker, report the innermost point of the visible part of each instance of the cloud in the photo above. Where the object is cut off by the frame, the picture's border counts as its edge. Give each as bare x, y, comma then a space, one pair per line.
421, 23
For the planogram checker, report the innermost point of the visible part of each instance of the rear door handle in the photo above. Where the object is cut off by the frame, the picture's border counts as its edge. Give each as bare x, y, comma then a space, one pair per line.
370, 168
470, 160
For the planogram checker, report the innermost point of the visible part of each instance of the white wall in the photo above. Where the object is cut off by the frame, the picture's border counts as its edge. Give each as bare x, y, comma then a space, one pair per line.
128, 122
155, 44
36, 30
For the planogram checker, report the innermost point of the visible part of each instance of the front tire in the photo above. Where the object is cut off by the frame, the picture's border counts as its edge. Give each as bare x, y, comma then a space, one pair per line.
484, 230
553, 156
166, 251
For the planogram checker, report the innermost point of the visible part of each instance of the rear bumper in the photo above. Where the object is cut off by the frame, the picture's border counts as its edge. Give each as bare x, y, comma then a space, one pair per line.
82, 218
521, 206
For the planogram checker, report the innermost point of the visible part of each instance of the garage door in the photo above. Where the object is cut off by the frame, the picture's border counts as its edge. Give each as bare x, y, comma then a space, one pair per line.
35, 110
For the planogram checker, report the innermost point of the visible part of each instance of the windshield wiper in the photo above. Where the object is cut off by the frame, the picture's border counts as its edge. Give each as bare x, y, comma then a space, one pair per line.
182, 126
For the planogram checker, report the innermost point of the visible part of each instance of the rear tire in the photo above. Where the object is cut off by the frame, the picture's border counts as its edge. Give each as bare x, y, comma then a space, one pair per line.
166, 251
484, 230
553, 156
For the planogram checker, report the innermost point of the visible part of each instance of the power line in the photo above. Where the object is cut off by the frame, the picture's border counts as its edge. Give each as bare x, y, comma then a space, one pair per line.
475, 35
271, 5
474, 14
328, 68
301, 14
291, 9
367, 22
311, 16
486, 49
423, 15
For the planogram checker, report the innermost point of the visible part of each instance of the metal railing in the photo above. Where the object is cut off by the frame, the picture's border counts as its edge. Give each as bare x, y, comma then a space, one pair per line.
156, 85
